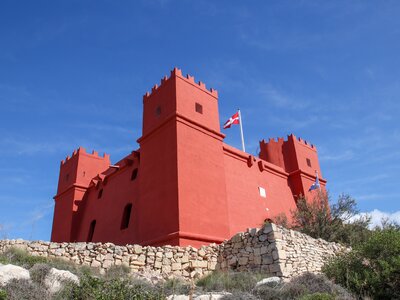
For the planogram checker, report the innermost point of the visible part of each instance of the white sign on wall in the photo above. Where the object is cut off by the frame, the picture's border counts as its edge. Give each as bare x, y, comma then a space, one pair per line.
262, 192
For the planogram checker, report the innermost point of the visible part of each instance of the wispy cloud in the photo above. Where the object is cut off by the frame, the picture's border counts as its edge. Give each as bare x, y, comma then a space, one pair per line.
280, 99
25, 146
346, 155
378, 216
40, 212
105, 127
376, 196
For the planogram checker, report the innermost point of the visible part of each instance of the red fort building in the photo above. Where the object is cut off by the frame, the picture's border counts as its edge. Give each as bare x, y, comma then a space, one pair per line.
184, 185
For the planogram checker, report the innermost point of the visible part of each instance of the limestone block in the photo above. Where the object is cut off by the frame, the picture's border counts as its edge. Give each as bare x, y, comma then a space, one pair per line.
137, 249
267, 259
166, 269
232, 261
141, 258
176, 266
257, 260
274, 268
198, 264
95, 264
107, 264
263, 238
243, 260
211, 265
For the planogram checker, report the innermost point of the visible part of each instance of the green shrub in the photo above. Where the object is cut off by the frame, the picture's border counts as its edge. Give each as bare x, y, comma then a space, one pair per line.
237, 295
104, 289
21, 258
177, 287
372, 268
3, 294
229, 281
39, 272
115, 272
25, 290
318, 296
333, 223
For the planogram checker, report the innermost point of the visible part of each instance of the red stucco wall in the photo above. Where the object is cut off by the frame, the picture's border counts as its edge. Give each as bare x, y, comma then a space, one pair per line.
191, 188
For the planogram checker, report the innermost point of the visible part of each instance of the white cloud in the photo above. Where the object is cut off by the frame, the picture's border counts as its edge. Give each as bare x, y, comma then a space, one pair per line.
346, 155
377, 216
280, 99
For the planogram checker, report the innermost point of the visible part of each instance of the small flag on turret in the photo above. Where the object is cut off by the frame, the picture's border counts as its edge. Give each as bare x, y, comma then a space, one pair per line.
232, 120
315, 185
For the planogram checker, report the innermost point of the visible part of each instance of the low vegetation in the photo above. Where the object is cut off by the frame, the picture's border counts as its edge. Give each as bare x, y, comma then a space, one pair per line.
339, 222
117, 284
371, 268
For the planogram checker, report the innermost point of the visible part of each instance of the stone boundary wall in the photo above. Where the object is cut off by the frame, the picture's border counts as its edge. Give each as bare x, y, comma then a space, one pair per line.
271, 249
276, 250
167, 261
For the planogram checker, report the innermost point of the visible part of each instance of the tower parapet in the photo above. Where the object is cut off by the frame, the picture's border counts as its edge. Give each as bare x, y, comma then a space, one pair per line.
188, 78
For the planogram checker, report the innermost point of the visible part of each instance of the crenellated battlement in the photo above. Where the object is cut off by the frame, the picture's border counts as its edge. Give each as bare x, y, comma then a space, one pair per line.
188, 78
82, 150
292, 137
301, 141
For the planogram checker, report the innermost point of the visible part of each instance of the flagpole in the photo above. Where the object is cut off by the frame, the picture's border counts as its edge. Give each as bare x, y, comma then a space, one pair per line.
241, 131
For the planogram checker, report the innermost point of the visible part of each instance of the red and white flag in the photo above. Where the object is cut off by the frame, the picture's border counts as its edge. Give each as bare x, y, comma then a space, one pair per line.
232, 120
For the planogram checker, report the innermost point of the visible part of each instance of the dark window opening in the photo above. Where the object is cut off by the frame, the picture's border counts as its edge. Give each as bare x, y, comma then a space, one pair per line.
100, 194
158, 111
126, 216
91, 230
134, 174
308, 162
199, 108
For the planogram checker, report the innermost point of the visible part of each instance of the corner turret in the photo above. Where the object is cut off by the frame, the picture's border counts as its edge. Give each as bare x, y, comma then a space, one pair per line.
76, 173
297, 157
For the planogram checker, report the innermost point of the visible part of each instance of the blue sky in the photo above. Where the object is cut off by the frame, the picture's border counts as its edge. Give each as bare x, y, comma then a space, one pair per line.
72, 73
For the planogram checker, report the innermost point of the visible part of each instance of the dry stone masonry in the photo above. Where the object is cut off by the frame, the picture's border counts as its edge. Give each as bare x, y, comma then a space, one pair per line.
277, 251
271, 249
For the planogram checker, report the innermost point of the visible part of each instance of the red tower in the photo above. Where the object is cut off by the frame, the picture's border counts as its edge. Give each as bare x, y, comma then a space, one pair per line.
182, 165
76, 173
183, 186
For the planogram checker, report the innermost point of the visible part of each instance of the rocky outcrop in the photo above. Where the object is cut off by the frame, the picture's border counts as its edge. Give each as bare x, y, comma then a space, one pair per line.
271, 249
10, 272
56, 279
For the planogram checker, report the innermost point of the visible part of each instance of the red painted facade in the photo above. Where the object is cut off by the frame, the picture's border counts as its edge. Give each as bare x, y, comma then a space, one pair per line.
184, 185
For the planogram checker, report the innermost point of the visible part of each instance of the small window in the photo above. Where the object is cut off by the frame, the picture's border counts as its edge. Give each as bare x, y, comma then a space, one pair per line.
199, 108
308, 162
100, 194
126, 216
158, 111
134, 174
91, 230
